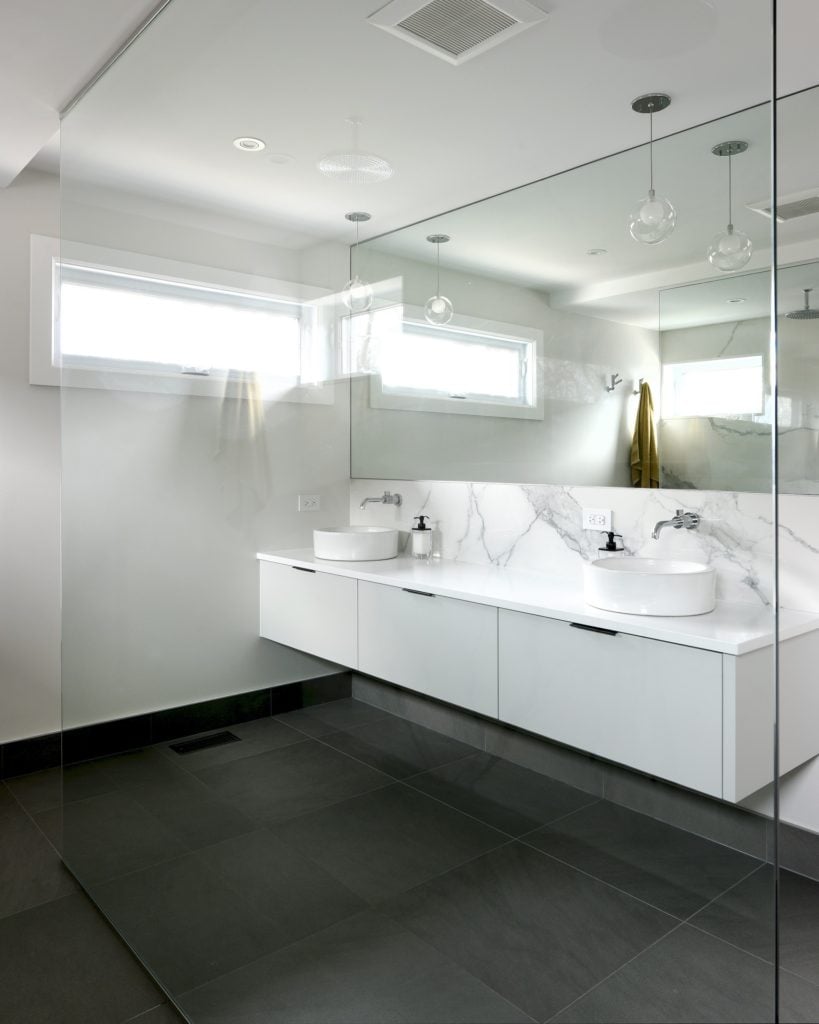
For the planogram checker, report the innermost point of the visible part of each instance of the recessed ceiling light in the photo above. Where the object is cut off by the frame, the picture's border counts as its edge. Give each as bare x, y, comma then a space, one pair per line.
596, 252
247, 144
734, 300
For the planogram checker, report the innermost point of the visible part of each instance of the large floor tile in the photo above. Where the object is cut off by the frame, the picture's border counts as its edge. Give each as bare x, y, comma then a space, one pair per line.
398, 747
504, 795
61, 962
323, 719
279, 882
690, 977
42, 791
295, 780
365, 970
535, 930
745, 917
108, 836
140, 768
191, 811
164, 1014
671, 869
254, 738
31, 872
184, 922
390, 840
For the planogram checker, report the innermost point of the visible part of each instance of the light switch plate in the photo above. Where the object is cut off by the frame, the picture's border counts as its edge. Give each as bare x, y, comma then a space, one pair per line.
309, 502
597, 519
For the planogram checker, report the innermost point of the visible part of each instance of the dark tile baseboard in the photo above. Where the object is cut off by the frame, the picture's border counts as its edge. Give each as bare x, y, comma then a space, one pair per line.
105, 738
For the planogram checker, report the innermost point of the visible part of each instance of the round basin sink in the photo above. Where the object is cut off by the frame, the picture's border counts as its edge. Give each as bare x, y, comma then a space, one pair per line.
355, 543
650, 586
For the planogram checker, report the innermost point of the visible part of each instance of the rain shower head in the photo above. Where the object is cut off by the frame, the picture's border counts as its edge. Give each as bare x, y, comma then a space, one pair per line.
806, 313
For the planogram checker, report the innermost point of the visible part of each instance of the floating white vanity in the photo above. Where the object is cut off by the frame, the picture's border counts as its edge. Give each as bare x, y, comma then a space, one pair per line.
689, 700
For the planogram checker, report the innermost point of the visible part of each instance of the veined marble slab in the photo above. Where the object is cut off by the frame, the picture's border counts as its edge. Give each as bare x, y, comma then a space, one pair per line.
539, 528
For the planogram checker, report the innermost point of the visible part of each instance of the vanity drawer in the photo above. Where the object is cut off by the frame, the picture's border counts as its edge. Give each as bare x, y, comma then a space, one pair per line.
653, 706
437, 646
312, 611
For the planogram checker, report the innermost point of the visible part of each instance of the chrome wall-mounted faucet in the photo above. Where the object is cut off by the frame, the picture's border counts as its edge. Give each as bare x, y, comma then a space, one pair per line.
385, 499
681, 521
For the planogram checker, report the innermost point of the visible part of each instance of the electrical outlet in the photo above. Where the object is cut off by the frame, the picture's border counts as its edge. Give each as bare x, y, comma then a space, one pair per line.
309, 502
597, 519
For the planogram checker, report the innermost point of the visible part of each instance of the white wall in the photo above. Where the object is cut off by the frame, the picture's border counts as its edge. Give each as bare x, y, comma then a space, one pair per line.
29, 482
162, 519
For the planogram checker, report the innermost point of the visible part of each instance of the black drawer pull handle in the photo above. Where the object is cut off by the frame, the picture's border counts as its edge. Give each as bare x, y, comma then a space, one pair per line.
593, 629
302, 568
421, 593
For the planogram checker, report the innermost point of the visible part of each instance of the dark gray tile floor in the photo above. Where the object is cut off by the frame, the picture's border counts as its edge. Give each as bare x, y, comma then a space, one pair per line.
339, 864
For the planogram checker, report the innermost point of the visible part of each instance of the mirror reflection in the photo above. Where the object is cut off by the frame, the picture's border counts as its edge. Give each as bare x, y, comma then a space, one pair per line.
553, 316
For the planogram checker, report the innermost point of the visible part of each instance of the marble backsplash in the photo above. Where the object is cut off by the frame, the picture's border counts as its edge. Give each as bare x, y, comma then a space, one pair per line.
539, 527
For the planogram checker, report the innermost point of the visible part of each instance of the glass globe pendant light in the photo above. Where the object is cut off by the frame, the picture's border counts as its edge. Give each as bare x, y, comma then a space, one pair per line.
357, 295
653, 219
438, 309
730, 250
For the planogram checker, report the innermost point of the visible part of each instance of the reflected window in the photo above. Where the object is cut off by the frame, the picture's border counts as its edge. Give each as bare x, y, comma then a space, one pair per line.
714, 387
451, 368
121, 321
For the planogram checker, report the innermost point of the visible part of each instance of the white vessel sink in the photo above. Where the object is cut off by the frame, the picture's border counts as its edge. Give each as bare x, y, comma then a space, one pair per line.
355, 543
650, 586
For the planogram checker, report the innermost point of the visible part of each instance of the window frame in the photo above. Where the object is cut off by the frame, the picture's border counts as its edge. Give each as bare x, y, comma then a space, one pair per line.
48, 255
751, 360
478, 328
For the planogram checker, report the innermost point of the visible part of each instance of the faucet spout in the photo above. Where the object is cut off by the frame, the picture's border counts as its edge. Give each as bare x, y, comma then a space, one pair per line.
681, 521
385, 499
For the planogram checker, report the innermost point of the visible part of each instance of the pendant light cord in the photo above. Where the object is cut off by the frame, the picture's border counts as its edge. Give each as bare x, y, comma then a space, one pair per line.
438, 269
651, 148
730, 194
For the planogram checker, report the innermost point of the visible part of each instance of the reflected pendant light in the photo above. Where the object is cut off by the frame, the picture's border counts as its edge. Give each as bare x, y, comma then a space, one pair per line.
357, 295
730, 250
438, 309
653, 219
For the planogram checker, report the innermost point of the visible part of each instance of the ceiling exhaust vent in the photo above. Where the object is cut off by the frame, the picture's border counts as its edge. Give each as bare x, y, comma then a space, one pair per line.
456, 30
798, 204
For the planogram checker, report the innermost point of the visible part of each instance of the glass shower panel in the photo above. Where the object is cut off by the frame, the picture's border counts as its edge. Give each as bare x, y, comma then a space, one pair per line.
281, 837
797, 480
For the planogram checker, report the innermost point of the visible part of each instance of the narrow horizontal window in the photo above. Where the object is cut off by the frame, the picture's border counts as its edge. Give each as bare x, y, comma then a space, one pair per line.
121, 321
714, 387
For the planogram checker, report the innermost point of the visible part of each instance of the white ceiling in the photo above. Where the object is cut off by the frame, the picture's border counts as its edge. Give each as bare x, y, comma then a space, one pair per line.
48, 50
162, 120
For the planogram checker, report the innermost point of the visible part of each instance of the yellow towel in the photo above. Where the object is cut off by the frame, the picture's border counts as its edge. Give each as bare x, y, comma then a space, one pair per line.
645, 463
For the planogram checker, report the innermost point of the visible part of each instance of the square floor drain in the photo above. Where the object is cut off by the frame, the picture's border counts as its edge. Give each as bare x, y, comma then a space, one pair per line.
217, 739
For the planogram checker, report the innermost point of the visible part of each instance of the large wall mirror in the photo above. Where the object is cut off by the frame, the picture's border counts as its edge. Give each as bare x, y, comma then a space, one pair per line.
559, 315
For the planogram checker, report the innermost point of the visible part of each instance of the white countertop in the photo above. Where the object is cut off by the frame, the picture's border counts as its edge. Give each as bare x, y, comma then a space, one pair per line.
732, 628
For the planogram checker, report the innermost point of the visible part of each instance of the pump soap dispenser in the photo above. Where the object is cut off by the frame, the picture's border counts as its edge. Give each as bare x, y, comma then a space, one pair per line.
610, 546
421, 539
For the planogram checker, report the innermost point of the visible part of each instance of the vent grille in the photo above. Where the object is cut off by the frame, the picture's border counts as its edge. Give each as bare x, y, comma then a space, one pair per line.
456, 30
800, 204
456, 26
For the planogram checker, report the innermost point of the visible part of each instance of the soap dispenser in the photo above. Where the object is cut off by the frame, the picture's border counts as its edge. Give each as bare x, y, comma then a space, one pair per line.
610, 547
421, 539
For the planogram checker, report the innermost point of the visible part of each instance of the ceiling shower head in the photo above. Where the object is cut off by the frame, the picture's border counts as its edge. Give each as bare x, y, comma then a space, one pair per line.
806, 313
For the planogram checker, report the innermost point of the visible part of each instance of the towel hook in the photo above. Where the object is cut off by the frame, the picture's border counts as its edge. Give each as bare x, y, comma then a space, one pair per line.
615, 380
639, 387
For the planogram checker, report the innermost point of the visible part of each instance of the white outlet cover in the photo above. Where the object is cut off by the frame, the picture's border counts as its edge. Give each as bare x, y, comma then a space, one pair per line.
597, 519
309, 503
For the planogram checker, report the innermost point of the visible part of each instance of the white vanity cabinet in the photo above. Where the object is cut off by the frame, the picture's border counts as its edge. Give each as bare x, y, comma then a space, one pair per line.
309, 610
434, 645
651, 705
698, 712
